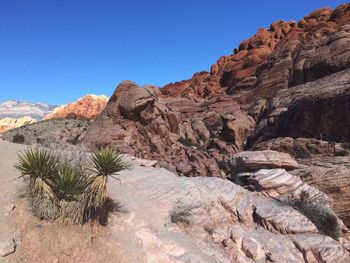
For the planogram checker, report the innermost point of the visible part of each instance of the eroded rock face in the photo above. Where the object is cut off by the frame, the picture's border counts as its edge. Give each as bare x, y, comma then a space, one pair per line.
85, 108
318, 109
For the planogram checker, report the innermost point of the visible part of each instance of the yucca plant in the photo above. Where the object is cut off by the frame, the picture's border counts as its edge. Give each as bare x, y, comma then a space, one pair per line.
106, 162
70, 184
41, 167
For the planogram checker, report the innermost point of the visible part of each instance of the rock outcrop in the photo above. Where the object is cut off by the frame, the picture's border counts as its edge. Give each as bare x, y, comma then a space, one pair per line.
85, 108
141, 121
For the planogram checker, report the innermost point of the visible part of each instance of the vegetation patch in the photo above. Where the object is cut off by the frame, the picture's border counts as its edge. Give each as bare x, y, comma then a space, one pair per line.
181, 215
189, 143
346, 145
342, 153
323, 217
65, 190
18, 138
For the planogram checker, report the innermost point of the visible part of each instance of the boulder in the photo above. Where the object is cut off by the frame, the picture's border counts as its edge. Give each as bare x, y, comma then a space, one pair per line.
255, 160
237, 128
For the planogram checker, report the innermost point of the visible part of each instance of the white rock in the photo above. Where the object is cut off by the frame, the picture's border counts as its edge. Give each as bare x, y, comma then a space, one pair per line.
7, 246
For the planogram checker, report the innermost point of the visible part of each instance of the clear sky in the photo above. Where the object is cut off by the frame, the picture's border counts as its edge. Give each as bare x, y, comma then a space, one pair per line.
58, 50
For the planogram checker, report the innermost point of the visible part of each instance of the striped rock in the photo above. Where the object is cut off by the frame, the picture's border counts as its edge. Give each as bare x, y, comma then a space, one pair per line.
278, 183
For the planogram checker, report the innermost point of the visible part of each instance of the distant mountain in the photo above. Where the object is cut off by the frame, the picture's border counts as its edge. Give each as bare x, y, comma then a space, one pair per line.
14, 114
85, 108
18, 109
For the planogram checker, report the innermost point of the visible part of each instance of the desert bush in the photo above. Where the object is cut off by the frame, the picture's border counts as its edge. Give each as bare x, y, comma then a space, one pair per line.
342, 153
18, 138
321, 215
74, 140
346, 145
181, 215
60, 187
189, 143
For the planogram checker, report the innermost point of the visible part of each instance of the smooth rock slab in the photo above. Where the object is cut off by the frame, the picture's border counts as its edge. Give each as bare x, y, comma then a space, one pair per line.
7, 246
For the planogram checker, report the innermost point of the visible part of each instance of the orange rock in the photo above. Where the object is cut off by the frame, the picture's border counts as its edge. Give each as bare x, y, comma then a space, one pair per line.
85, 108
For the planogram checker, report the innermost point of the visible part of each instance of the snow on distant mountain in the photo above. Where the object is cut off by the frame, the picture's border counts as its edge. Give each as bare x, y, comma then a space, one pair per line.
18, 109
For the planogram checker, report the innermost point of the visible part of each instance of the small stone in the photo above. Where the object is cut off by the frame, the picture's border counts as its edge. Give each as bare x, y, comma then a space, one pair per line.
7, 246
218, 237
252, 249
9, 208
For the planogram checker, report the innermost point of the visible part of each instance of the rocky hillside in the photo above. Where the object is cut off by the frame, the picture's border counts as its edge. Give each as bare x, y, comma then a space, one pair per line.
286, 88
85, 108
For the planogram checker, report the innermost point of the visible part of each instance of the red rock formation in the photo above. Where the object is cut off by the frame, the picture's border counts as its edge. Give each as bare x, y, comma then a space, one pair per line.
266, 60
217, 112
85, 108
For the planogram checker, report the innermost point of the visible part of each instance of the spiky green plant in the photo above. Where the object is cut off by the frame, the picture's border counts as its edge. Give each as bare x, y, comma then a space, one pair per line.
70, 185
41, 167
106, 162
70, 182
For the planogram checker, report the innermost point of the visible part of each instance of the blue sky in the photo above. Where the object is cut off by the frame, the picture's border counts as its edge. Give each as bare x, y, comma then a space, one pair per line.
58, 50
